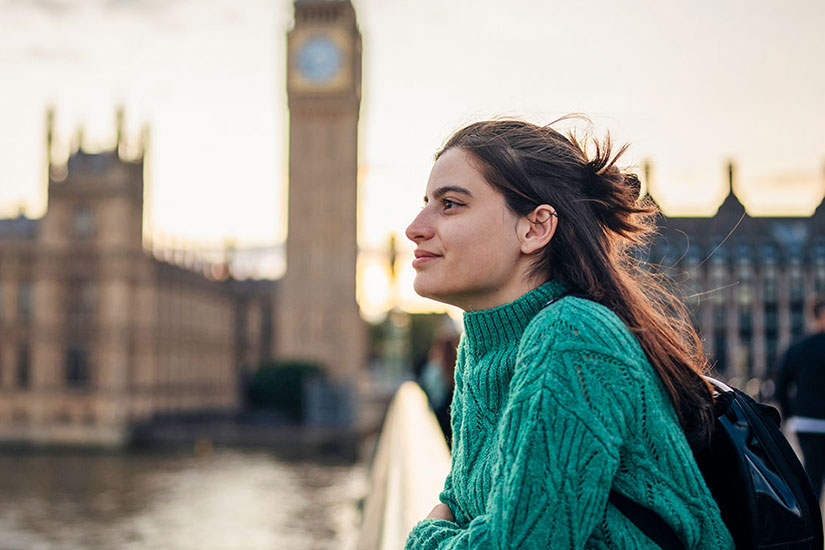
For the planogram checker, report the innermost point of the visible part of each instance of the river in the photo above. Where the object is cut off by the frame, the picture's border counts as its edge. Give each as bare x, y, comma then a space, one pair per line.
217, 500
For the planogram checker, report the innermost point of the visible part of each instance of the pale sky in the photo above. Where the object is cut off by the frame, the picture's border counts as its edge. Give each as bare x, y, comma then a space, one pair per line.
690, 85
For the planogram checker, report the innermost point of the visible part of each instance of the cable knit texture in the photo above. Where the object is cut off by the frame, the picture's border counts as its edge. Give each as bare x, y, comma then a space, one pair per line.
554, 406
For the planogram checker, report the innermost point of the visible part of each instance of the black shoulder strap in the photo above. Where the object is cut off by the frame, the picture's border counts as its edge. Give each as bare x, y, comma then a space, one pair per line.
648, 521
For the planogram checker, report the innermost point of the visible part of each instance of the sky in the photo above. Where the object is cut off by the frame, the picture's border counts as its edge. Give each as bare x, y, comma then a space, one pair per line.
690, 85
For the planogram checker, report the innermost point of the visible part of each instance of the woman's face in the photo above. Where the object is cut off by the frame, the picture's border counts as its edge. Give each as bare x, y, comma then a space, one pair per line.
467, 252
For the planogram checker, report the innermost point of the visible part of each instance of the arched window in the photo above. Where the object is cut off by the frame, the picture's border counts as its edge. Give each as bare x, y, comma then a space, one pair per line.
818, 257
23, 366
796, 291
77, 367
83, 222
25, 300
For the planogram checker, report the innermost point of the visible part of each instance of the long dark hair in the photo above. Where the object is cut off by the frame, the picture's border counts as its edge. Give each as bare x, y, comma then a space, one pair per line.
602, 222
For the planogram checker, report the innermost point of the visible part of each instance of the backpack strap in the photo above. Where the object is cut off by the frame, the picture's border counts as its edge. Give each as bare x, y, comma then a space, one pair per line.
649, 522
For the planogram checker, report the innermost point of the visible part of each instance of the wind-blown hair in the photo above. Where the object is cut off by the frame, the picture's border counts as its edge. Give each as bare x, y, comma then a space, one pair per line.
602, 221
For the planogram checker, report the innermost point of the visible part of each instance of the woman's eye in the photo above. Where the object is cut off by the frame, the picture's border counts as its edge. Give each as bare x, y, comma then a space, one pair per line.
450, 204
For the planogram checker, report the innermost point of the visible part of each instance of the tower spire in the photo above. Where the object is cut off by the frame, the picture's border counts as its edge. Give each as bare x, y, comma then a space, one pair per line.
647, 170
49, 134
731, 204
119, 123
145, 135
80, 132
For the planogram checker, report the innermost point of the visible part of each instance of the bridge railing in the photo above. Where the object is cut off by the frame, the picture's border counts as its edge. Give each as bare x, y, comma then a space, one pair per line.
407, 473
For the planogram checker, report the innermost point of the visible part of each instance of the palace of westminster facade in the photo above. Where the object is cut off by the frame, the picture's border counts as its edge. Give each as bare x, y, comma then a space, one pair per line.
96, 333
747, 280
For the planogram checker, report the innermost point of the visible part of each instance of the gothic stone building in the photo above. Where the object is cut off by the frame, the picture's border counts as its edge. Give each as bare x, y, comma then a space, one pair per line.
96, 333
747, 280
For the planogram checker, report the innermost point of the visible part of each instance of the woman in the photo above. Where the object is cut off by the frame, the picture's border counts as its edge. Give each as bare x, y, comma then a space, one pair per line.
577, 373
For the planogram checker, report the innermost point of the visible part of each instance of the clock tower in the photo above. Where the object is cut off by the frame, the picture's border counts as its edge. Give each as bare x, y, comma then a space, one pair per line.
318, 318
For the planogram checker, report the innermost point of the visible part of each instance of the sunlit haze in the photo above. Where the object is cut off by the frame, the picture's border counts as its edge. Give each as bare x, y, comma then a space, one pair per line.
691, 86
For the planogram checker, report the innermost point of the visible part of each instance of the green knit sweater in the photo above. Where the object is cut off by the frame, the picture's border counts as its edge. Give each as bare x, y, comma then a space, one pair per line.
554, 406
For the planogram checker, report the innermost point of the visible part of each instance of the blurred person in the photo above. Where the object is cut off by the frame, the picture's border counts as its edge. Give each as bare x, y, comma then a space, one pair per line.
800, 391
577, 373
437, 377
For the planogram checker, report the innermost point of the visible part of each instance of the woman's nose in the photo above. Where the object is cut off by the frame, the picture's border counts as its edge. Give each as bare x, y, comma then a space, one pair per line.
420, 229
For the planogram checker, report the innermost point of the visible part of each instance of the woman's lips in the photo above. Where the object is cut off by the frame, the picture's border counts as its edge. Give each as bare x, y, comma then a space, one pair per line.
422, 257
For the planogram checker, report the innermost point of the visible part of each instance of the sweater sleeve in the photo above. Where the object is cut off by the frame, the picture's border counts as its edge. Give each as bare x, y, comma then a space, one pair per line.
558, 452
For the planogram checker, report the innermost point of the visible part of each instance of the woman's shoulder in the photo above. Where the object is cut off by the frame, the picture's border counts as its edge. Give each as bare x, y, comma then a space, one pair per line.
576, 322
587, 360
575, 338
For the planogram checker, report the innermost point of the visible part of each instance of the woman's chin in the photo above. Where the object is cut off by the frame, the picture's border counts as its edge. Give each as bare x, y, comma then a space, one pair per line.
430, 289
421, 287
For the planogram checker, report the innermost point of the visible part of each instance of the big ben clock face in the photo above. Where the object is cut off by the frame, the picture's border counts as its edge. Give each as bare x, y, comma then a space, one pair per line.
320, 59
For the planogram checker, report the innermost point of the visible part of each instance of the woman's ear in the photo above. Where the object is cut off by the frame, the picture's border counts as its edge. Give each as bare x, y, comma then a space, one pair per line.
537, 228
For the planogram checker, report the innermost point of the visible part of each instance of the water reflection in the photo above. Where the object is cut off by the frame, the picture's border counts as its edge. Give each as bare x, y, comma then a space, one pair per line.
224, 500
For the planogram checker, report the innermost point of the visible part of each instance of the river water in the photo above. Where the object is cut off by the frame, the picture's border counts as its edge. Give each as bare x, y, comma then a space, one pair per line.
220, 500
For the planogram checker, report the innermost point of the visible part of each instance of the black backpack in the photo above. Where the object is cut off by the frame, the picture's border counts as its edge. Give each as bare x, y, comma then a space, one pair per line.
765, 496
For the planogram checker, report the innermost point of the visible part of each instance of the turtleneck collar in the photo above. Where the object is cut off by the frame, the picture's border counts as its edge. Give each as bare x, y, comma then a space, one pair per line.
490, 328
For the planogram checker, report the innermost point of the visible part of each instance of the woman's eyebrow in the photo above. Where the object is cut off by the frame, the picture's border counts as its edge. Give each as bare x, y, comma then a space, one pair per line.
441, 191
